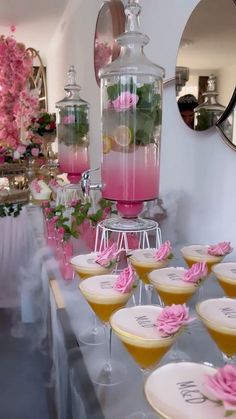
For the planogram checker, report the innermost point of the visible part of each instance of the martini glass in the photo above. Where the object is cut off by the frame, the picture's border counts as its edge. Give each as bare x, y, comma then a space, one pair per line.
85, 266
226, 275
135, 327
219, 317
104, 299
143, 262
171, 287
199, 253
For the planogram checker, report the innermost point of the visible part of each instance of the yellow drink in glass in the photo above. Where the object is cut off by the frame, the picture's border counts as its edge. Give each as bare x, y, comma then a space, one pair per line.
199, 253
226, 275
102, 297
170, 285
135, 327
85, 266
144, 262
219, 317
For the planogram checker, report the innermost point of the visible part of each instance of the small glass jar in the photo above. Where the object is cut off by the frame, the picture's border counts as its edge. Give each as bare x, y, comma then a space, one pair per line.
73, 131
131, 89
207, 113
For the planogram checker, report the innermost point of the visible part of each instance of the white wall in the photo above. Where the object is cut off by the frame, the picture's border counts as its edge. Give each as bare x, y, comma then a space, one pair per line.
197, 169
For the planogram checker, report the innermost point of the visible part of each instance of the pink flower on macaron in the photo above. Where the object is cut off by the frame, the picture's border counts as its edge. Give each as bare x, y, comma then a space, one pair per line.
125, 280
164, 251
107, 256
222, 386
220, 249
197, 272
172, 318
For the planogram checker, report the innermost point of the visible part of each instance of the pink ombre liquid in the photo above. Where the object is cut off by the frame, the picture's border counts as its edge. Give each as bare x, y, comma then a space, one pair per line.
73, 159
131, 177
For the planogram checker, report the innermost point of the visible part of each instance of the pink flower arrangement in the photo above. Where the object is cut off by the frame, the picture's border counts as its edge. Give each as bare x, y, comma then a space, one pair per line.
222, 386
125, 101
172, 318
164, 251
17, 104
43, 123
220, 249
108, 256
125, 280
197, 272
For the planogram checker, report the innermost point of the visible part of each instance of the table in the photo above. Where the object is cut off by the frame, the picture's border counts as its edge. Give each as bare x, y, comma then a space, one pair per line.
76, 396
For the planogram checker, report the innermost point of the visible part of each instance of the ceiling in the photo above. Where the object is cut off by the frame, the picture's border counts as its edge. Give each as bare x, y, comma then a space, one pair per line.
212, 30
35, 20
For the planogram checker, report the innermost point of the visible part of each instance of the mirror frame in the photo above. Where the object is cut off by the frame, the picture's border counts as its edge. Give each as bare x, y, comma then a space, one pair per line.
227, 110
223, 118
116, 8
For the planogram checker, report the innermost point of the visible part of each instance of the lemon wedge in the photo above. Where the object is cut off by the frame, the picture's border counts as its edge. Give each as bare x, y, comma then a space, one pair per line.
123, 136
106, 143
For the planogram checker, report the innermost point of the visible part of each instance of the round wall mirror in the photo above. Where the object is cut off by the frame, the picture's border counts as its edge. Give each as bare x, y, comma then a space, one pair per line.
206, 63
110, 24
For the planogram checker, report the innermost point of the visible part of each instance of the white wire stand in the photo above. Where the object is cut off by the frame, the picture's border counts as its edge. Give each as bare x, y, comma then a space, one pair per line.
68, 193
147, 232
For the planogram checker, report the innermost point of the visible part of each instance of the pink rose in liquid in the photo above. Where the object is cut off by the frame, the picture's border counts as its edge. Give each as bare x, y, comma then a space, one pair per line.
172, 318
35, 152
197, 272
107, 256
125, 280
164, 251
220, 249
222, 385
125, 101
70, 119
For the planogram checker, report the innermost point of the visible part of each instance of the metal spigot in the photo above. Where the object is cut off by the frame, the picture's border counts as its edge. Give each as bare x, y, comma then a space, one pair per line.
86, 185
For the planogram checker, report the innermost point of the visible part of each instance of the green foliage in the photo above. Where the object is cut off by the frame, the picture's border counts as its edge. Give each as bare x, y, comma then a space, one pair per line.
12, 210
143, 119
205, 120
74, 133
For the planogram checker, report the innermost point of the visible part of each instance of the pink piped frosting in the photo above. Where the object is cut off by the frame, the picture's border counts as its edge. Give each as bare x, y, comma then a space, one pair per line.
125, 101
220, 249
36, 186
197, 272
222, 386
172, 318
107, 256
164, 251
125, 280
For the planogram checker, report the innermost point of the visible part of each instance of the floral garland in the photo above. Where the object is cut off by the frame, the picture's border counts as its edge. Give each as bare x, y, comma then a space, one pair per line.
17, 104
